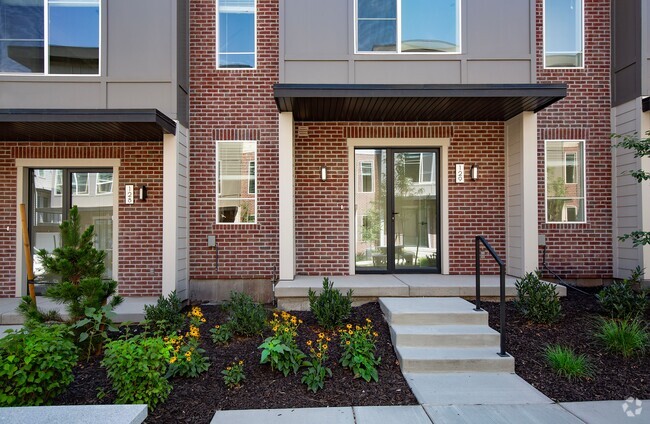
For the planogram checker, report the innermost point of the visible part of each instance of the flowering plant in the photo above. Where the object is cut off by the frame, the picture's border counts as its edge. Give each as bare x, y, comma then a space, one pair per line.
314, 375
221, 334
359, 350
187, 358
281, 349
234, 374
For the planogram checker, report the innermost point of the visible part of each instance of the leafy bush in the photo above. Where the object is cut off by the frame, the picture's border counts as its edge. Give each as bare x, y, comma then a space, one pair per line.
247, 317
36, 365
281, 349
136, 368
314, 375
221, 334
93, 328
359, 350
330, 308
233, 375
624, 337
620, 300
537, 300
567, 363
165, 318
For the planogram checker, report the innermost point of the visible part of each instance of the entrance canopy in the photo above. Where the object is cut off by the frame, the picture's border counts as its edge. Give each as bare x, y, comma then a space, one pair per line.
84, 125
406, 102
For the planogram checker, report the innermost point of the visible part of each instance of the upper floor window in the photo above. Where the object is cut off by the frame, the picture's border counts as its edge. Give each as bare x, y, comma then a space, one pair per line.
408, 26
236, 44
367, 177
51, 37
563, 34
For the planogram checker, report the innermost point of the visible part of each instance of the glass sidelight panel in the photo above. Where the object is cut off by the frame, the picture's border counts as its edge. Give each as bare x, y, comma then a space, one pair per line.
415, 210
370, 217
53, 192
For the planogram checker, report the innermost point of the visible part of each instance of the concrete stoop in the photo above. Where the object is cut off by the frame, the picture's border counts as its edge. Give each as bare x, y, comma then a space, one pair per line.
440, 335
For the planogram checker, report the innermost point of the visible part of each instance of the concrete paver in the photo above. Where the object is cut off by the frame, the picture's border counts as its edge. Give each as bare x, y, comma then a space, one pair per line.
285, 416
390, 415
611, 411
473, 389
86, 414
500, 414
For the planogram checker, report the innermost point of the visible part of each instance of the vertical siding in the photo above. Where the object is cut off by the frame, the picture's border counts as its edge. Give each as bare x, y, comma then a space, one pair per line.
182, 214
514, 184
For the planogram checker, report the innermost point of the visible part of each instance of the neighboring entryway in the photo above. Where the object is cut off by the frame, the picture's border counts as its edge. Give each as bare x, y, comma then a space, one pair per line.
397, 210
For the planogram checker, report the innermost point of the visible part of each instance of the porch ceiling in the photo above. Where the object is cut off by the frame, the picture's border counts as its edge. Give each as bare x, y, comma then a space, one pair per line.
407, 102
84, 125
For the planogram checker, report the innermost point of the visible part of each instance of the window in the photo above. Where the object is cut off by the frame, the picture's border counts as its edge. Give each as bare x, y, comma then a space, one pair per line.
236, 40
418, 167
366, 176
251, 177
563, 34
79, 183
51, 37
565, 181
104, 183
236, 202
408, 26
58, 181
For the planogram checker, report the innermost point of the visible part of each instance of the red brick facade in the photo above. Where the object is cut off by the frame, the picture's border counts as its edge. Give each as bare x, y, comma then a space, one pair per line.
233, 105
581, 250
322, 208
140, 224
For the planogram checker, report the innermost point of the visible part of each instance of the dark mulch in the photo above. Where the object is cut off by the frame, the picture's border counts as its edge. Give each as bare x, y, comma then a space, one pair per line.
195, 400
614, 377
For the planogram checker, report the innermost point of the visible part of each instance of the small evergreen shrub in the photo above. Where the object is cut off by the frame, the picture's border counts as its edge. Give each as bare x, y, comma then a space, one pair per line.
625, 337
36, 365
567, 363
91, 292
537, 300
247, 317
330, 308
137, 367
165, 318
620, 301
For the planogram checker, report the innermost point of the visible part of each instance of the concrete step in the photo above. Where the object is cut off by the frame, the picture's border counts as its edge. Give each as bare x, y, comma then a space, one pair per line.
431, 311
452, 359
444, 335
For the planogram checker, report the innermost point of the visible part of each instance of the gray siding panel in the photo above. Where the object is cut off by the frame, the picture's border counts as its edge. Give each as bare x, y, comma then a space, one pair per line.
139, 95
498, 29
325, 72
319, 28
406, 72
51, 95
498, 71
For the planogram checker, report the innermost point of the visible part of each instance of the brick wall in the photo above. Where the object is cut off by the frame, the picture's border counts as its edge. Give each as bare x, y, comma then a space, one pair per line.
140, 224
581, 250
232, 105
322, 208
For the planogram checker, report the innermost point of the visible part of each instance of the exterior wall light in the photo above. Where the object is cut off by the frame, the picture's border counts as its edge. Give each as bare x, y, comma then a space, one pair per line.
323, 173
473, 172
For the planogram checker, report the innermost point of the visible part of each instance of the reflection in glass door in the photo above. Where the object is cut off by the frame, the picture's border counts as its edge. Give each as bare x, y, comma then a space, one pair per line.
397, 210
53, 192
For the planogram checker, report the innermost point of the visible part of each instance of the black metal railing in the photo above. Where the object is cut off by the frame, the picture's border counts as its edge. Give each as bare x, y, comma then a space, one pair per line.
502, 288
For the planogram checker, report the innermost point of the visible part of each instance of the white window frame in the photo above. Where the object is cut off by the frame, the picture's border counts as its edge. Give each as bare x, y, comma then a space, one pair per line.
252, 177
582, 178
46, 47
98, 183
216, 46
75, 184
398, 39
575, 163
582, 19
218, 187
372, 176
565, 212
58, 177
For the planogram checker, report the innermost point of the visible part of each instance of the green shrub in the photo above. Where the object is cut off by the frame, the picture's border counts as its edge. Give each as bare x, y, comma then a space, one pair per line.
233, 375
567, 363
281, 349
33, 316
330, 308
537, 300
359, 347
165, 318
247, 317
623, 337
137, 367
92, 292
619, 300
221, 334
36, 365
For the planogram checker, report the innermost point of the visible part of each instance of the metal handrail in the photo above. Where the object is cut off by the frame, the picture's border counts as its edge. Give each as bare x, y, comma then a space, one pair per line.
502, 288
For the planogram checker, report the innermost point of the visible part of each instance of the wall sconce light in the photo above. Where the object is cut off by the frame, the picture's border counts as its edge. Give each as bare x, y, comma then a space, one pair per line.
143, 193
323, 173
473, 172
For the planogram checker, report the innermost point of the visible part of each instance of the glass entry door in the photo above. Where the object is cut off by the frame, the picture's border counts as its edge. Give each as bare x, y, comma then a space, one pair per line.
397, 210
53, 192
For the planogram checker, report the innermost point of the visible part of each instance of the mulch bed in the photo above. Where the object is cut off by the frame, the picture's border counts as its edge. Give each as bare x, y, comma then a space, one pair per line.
194, 400
614, 377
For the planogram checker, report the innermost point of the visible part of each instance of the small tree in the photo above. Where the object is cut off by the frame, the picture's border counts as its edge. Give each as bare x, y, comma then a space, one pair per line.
641, 148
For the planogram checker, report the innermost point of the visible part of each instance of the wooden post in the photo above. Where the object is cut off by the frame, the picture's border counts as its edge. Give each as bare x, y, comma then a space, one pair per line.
28, 254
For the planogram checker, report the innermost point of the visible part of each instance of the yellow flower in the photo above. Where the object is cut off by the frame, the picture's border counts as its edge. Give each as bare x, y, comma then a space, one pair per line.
166, 339
228, 368
328, 339
349, 326
318, 355
217, 326
275, 314
350, 332
358, 328
188, 353
308, 342
325, 347
347, 342
241, 362
202, 319
375, 334
321, 335
368, 320
299, 321
189, 359
172, 359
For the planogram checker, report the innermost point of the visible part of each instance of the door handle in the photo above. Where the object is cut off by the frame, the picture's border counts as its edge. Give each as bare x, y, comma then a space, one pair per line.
393, 217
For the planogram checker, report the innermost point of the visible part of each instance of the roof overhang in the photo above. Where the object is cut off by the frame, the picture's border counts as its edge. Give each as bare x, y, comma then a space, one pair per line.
406, 102
645, 104
84, 125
